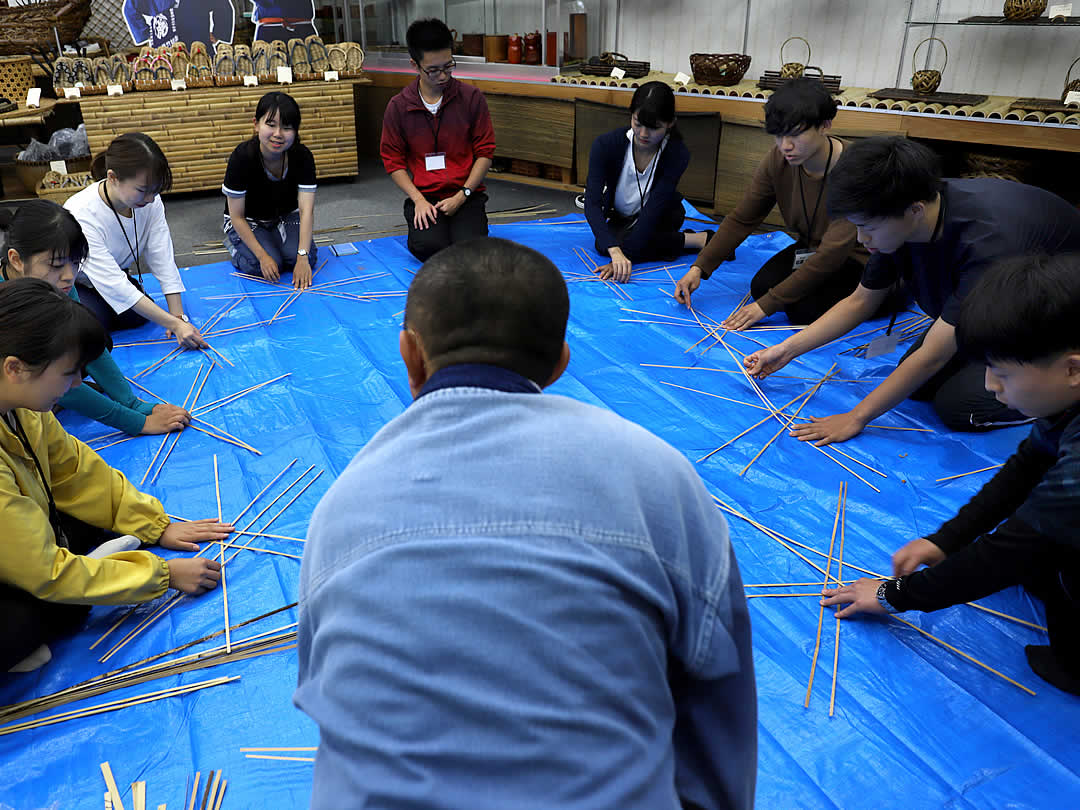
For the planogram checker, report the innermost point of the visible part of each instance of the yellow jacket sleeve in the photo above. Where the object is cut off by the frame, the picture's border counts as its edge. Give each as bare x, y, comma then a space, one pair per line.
85, 487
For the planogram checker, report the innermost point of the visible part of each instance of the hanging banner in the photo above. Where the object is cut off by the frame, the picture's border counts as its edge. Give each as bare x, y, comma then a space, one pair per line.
166, 22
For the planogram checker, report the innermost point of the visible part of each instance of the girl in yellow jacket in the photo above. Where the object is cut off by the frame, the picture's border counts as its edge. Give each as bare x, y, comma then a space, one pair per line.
59, 501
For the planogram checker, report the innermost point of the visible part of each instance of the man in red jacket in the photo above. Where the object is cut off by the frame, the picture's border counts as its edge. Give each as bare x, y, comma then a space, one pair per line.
437, 145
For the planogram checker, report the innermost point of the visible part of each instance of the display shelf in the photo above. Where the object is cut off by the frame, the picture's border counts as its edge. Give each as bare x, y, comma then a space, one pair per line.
1039, 22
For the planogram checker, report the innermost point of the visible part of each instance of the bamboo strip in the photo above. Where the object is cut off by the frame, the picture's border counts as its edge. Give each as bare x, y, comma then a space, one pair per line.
224, 585
963, 654
263, 491
821, 610
263, 750
172, 447
160, 362
780, 595
138, 795
772, 377
787, 404
217, 403
194, 791
284, 759
110, 783
221, 795
839, 578
206, 792
214, 790
973, 472
256, 548
166, 437
779, 538
788, 585
225, 437
161, 611
118, 622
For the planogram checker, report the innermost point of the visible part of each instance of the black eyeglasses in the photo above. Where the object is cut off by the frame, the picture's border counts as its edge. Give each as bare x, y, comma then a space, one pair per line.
435, 71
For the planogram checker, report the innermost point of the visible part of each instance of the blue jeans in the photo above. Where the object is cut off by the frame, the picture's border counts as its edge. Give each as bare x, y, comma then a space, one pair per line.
280, 241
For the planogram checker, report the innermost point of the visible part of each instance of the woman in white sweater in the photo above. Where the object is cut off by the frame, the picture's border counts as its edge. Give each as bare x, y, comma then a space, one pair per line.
123, 219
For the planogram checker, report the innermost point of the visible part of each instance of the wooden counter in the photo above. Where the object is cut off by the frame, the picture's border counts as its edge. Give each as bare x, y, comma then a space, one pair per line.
199, 128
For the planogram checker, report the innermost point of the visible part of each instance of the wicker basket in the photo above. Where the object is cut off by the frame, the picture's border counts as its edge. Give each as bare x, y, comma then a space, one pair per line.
793, 70
31, 172
601, 65
58, 187
1019, 10
31, 26
724, 69
926, 82
1071, 85
15, 77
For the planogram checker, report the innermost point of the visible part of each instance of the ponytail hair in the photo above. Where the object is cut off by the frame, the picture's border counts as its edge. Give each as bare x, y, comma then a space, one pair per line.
131, 154
38, 226
654, 105
39, 325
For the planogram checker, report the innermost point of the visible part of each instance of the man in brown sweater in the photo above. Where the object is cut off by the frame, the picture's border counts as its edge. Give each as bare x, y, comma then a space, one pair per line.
826, 262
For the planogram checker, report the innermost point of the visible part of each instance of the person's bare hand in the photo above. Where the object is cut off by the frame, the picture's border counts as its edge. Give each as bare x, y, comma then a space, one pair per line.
425, 214
860, 597
165, 418
269, 269
744, 317
822, 430
194, 575
618, 269
451, 204
911, 555
187, 336
767, 361
687, 285
186, 535
301, 275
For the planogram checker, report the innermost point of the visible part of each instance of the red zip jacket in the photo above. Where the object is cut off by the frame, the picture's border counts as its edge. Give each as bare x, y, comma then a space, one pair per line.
464, 132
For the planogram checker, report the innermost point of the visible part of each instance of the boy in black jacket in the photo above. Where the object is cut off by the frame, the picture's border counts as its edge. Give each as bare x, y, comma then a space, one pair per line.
1023, 526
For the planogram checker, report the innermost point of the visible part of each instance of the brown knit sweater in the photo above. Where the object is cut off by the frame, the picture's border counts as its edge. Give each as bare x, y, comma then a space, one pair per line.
775, 182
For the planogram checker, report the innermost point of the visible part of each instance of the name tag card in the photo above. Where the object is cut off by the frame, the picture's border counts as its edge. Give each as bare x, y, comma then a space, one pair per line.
435, 162
617, 73
882, 345
179, 84
114, 90
801, 256
1072, 98
33, 97
330, 76
58, 166
251, 81
1060, 10
284, 75
72, 92
681, 78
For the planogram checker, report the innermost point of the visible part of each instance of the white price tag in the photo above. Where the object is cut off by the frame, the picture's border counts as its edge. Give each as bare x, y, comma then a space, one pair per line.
33, 97
330, 76
284, 75
251, 81
58, 166
681, 78
617, 73
72, 92
1060, 10
114, 90
1072, 98
179, 84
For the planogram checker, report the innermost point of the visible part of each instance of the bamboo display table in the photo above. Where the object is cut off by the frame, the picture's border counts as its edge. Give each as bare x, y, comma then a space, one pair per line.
199, 128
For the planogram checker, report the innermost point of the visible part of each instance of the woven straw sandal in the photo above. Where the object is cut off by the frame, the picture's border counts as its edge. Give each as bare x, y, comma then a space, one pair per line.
298, 56
317, 54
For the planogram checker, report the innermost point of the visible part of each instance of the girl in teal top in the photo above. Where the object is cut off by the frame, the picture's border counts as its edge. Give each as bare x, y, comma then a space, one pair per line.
45, 241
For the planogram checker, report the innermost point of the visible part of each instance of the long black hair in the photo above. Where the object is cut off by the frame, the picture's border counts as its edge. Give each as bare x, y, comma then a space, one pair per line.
284, 107
654, 105
39, 325
42, 225
131, 154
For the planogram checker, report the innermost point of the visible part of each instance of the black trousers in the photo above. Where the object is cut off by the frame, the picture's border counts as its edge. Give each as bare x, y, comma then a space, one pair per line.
112, 321
665, 244
959, 396
470, 222
29, 622
817, 302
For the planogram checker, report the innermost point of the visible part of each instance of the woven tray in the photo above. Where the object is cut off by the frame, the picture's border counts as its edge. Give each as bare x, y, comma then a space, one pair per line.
1036, 21
31, 26
15, 77
903, 94
1046, 105
770, 80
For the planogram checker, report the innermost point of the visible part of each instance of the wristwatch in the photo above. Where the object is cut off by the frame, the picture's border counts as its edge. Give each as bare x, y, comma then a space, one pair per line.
466, 191
301, 252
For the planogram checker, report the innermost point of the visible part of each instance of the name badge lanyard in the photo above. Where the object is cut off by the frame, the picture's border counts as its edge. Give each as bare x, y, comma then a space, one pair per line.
134, 225
54, 513
435, 122
821, 193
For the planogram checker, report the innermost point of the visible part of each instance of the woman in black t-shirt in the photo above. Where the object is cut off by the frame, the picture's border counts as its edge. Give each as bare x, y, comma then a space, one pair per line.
270, 196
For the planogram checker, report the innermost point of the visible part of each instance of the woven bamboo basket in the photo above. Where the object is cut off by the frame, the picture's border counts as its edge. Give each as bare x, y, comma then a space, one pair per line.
15, 77
32, 172
724, 69
601, 65
926, 82
58, 187
1071, 84
31, 26
793, 70
1020, 10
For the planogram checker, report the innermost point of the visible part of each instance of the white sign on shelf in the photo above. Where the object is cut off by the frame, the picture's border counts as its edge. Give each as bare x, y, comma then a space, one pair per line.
179, 84
33, 97
115, 89
617, 73
72, 92
1060, 10
251, 81
681, 78
330, 76
284, 75
58, 166
1072, 98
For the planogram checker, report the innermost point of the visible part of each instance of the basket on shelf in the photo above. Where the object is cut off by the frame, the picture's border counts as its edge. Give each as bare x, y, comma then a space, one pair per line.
601, 65
1071, 85
58, 187
25, 27
1020, 10
926, 82
793, 70
31, 172
15, 77
724, 69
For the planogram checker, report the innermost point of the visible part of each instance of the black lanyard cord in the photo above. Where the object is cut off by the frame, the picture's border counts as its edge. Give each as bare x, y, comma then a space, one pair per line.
54, 514
134, 225
810, 220
649, 175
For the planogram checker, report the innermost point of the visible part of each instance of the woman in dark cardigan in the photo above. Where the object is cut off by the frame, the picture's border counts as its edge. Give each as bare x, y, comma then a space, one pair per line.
630, 199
